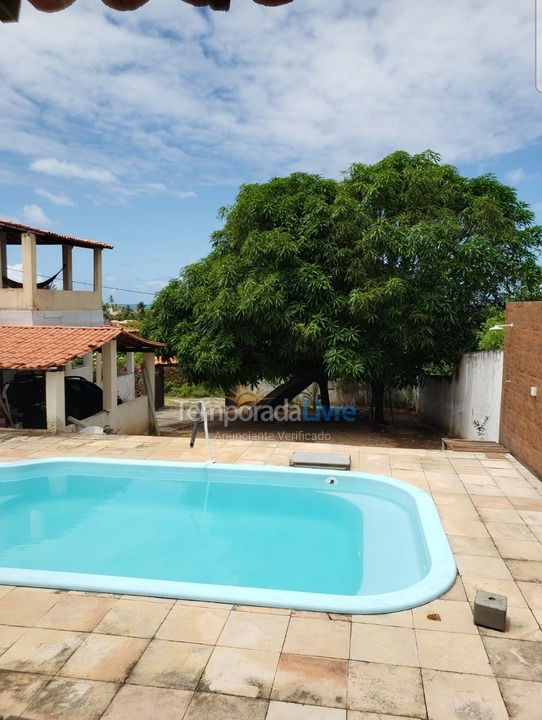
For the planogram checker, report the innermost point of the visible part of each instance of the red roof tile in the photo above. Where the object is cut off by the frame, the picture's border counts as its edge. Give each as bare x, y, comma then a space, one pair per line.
13, 232
9, 9
41, 347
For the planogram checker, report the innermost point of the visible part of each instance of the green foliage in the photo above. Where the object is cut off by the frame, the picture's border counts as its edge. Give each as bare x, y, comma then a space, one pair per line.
480, 427
136, 315
177, 385
373, 278
489, 339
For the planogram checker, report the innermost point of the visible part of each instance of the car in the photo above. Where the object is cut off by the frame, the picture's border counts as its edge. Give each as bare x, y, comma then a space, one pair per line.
25, 395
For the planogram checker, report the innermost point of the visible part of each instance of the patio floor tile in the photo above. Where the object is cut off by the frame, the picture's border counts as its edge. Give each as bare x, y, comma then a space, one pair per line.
171, 664
311, 680
454, 696
518, 659
357, 715
470, 528
148, 703
208, 706
5, 589
491, 501
25, 606
292, 711
396, 619
456, 592
257, 609
237, 671
381, 644
65, 699
526, 570
520, 625
531, 517
500, 587
193, 624
500, 515
519, 550
523, 699
385, 689
255, 631
485, 567
139, 618
455, 652
513, 531
465, 545
8, 635
76, 612
104, 657
532, 592
327, 638
17, 690
40, 650
446, 616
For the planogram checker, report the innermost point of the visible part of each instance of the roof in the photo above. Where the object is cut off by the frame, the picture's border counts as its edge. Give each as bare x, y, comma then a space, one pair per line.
14, 230
9, 9
40, 348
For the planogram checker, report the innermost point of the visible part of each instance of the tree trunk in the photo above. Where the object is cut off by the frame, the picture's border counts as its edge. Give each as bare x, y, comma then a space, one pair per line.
377, 388
323, 382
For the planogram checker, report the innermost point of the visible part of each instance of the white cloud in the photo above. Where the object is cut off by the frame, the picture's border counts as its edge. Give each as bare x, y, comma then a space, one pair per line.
516, 176
35, 215
184, 194
61, 168
173, 96
59, 198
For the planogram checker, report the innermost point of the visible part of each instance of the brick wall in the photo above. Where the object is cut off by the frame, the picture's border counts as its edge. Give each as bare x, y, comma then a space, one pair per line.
521, 414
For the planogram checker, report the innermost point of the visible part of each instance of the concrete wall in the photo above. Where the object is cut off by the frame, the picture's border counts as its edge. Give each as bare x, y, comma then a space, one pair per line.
473, 393
126, 386
78, 318
521, 420
131, 418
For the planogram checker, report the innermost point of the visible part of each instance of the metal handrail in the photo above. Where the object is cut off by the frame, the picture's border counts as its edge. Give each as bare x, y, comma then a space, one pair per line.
202, 418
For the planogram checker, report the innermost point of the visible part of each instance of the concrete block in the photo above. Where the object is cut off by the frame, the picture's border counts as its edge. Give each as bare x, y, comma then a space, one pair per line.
490, 610
325, 461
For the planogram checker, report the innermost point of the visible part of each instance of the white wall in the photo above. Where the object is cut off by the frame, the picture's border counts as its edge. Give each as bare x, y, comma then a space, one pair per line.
130, 418
126, 386
473, 393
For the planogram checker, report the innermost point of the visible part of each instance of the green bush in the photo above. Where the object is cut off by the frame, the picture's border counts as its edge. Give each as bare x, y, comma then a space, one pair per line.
492, 339
176, 385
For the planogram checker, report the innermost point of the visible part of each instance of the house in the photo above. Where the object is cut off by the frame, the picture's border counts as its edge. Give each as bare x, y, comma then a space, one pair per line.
56, 347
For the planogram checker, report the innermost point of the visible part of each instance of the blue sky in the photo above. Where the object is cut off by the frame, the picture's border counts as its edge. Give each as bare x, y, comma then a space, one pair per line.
134, 128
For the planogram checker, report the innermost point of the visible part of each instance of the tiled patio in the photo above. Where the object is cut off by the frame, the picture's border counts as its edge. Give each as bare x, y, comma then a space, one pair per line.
86, 656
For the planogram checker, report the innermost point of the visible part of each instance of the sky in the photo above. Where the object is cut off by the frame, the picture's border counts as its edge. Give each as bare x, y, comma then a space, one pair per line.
135, 128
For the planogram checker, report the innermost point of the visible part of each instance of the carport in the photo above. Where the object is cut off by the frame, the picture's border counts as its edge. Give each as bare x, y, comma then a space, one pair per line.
52, 349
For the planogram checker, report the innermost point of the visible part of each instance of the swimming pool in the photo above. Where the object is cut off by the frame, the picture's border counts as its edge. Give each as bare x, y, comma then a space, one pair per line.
285, 537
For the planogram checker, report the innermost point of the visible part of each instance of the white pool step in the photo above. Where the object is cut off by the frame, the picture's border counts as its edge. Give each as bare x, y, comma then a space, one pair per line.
320, 461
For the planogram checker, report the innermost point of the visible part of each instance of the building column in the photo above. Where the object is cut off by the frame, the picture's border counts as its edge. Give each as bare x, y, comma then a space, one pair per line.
67, 267
3, 257
28, 245
99, 372
98, 271
148, 373
130, 362
109, 371
55, 401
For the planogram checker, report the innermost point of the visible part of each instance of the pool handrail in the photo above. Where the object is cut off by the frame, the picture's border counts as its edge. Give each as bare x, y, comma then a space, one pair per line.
202, 418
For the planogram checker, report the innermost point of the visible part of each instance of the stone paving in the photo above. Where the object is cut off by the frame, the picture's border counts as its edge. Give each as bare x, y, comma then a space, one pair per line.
87, 656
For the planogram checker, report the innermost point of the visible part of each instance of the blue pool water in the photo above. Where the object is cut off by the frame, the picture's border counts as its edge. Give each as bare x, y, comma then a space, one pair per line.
244, 534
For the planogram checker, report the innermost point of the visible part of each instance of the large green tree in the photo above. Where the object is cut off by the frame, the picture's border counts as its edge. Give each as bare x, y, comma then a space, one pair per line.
373, 278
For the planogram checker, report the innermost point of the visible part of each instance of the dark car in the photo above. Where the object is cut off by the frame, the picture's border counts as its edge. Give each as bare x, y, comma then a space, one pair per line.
26, 397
